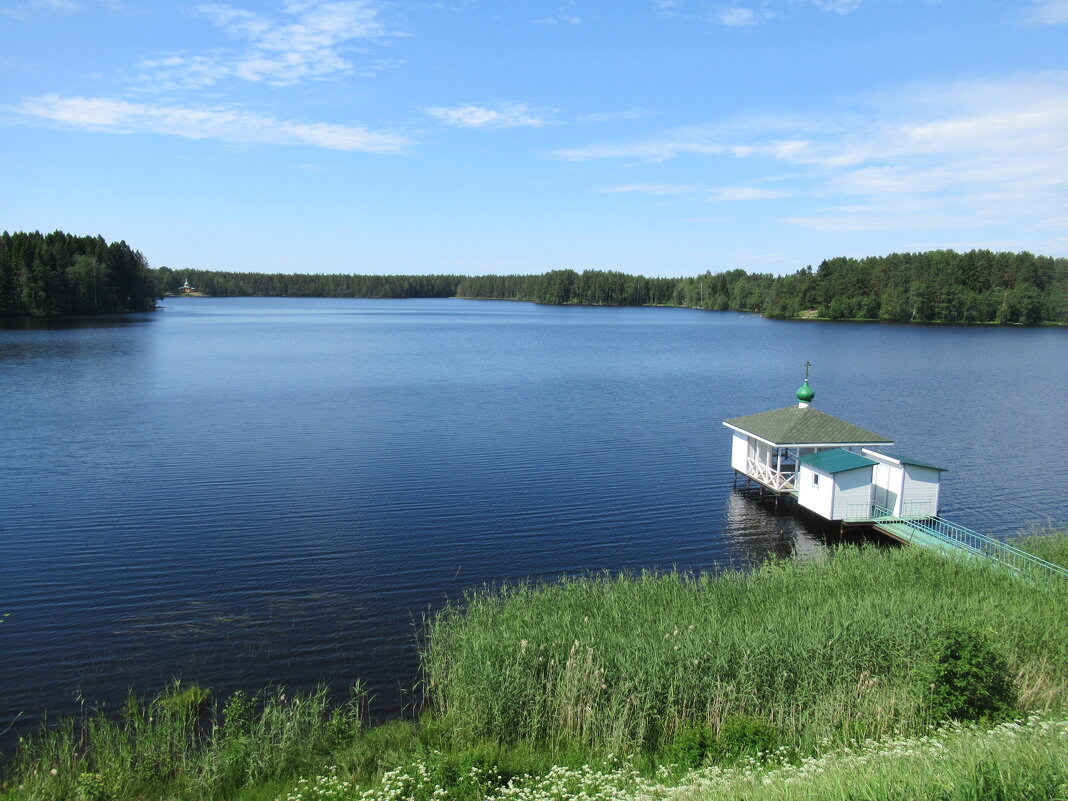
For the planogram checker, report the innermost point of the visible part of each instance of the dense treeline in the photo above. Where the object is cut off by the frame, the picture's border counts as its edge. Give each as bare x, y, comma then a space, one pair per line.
59, 273
980, 286
226, 284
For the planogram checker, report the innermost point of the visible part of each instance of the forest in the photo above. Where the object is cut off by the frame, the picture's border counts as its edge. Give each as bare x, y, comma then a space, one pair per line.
57, 273
299, 285
979, 286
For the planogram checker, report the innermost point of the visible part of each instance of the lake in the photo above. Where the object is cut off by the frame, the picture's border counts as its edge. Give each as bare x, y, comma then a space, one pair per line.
256, 491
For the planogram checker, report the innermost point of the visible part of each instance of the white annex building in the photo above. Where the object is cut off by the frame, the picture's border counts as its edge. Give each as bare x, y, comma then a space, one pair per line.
832, 467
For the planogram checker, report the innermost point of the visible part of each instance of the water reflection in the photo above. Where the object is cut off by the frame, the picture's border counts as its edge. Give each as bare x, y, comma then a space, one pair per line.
761, 526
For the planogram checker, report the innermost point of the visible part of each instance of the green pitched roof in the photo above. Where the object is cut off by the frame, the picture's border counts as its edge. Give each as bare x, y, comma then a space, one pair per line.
836, 460
797, 425
916, 462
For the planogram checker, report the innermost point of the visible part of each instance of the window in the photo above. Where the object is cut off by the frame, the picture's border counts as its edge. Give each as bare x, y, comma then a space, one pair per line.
815, 479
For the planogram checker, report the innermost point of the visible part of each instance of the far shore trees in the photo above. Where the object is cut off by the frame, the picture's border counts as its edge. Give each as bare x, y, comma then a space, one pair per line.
59, 273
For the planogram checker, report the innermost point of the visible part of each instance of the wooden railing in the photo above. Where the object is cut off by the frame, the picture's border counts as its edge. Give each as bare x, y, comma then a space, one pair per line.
965, 539
769, 477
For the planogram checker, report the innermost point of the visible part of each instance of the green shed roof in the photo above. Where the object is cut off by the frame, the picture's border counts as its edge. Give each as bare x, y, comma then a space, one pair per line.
906, 460
836, 460
798, 425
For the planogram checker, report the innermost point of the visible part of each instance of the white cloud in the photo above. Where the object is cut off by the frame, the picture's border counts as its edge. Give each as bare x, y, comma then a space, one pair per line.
504, 115
107, 115
735, 193
736, 17
713, 193
651, 189
837, 6
307, 39
23, 11
566, 19
1050, 12
688, 141
613, 116
975, 153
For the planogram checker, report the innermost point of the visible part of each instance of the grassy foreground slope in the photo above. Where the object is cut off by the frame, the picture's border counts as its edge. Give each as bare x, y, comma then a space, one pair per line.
1020, 760
824, 652
824, 671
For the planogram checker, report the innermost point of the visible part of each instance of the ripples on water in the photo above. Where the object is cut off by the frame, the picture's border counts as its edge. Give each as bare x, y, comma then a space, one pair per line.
254, 491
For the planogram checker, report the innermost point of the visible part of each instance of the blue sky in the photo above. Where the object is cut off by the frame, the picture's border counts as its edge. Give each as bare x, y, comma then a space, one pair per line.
662, 137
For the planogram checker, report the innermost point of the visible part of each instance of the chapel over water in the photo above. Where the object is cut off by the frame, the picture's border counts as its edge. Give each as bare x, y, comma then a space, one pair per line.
830, 466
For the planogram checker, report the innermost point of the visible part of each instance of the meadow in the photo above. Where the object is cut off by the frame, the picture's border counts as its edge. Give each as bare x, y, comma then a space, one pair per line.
766, 684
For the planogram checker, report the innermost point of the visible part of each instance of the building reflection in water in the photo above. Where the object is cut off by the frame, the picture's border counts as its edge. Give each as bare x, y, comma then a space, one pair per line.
757, 530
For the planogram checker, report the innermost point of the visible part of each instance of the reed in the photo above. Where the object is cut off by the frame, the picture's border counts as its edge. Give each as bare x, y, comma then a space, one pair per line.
181, 745
826, 652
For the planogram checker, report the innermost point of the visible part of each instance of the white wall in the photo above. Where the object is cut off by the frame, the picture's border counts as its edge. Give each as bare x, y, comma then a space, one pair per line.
887, 478
815, 497
920, 493
852, 490
739, 449
907, 490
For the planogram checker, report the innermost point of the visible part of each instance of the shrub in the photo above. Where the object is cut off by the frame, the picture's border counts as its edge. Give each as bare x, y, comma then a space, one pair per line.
965, 676
691, 746
742, 735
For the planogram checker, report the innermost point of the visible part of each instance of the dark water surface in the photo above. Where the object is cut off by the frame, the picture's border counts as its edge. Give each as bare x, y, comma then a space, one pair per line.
254, 491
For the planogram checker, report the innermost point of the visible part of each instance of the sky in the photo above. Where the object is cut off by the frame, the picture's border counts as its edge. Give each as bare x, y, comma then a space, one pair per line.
655, 137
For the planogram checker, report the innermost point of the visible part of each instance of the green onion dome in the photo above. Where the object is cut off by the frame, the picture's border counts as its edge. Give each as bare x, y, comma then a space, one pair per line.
806, 393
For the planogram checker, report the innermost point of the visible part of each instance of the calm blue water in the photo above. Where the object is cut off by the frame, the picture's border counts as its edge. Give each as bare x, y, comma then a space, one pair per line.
254, 491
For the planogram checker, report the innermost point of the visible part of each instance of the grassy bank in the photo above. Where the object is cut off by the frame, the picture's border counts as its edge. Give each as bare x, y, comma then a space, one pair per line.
1020, 760
761, 671
831, 651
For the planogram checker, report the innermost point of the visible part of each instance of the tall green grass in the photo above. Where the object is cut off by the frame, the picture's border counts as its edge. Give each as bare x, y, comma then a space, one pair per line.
826, 652
181, 745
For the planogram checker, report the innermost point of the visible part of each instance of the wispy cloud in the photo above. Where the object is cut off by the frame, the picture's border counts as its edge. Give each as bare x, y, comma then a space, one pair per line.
25, 10
837, 6
712, 193
614, 116
557, 19
498, 115
651, 189
737, 193
107, 115
305, 39
661, 148
562, 16
736, 17
754, 13
1050, 12
950, 155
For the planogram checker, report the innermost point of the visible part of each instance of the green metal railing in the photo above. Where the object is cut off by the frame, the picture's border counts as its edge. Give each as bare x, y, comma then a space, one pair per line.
969, 541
